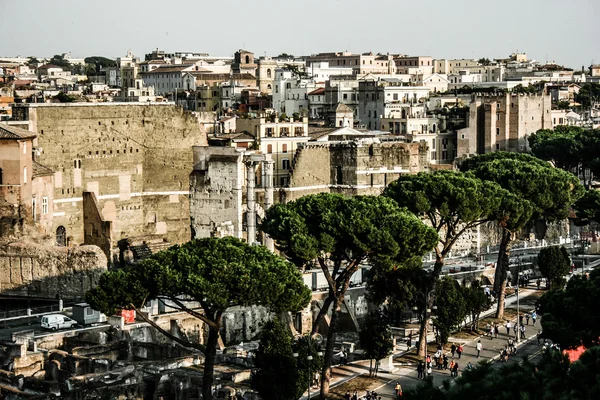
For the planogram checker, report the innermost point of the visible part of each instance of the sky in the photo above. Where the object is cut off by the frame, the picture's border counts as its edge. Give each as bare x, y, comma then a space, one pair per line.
563, 31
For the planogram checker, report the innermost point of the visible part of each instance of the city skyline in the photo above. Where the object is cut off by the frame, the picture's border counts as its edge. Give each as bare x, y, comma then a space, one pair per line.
440, 29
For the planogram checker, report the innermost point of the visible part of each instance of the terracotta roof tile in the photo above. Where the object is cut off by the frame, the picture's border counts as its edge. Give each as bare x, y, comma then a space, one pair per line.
14, 133
40, 170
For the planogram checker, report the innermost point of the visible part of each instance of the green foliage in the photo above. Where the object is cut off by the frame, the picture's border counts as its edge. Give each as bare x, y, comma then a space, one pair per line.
568, 147
64, 98
586, 93
551, 191
554, 263
448, 199
217, 273
395, 284
338, 233
571, 316
484, 61
554, 377
60, 61
376, 337
346, 228
588, 207
475, 301
451, 307
220, 273
101, 61
281, 376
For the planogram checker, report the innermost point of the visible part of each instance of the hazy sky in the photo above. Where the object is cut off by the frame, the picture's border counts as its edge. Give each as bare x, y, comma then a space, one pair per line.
565, 31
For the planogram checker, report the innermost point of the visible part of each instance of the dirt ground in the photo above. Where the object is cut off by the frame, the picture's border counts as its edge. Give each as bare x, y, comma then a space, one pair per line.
360, 384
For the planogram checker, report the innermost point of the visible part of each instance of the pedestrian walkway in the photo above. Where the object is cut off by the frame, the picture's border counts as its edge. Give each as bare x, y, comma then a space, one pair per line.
407, 375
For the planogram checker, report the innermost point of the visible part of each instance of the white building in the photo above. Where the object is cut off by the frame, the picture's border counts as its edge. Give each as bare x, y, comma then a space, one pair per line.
380, 99
168, 78
320, 72
290, 94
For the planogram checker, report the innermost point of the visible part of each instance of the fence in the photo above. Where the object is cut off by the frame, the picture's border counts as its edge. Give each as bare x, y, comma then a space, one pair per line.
14, 314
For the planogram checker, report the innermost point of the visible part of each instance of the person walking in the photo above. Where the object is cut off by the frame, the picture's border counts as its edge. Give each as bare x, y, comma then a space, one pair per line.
409, 340
496, 330
459, 351
398, 389
533, 317
527, 318
511, 346
479, 346
520, 319
453, 349
420, 369
539, 337
516, 329
347, 396
445, 361
454, 370
508, 326
522, 331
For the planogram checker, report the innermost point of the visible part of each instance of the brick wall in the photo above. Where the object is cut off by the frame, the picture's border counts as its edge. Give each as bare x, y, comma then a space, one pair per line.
135, 157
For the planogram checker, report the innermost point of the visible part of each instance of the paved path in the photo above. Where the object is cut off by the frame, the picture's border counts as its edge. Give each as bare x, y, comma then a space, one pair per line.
407, 375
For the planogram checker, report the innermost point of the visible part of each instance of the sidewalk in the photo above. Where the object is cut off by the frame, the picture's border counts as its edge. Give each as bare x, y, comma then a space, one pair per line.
407, 375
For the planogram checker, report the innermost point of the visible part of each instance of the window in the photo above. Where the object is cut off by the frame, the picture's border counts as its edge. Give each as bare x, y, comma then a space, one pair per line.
33, 208
44, 205
285, 164
497, 117
269, 132
497, 146
338, 175
24, 174
269, 148
268, 73
433, 155
345, 96
395, 96
284, 148
497, 131
444, 155
433, 144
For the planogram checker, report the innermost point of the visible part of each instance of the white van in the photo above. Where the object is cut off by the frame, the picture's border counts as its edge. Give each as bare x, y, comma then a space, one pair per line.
57, 321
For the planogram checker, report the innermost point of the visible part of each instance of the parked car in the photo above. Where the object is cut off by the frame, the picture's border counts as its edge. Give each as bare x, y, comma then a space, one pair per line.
57, 321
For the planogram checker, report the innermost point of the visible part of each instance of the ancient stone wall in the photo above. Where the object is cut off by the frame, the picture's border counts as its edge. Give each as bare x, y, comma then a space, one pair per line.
135, 157
46, 271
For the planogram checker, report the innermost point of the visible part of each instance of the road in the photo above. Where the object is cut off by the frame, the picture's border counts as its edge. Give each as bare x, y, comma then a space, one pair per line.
407, 376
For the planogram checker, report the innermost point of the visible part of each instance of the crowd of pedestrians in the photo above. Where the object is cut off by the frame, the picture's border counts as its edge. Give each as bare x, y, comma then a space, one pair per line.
449, 361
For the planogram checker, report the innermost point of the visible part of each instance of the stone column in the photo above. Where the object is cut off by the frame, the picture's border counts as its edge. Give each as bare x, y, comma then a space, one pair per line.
268, 185
251, 202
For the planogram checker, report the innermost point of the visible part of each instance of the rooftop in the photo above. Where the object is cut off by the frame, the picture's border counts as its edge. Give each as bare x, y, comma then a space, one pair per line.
13, 133
39, 169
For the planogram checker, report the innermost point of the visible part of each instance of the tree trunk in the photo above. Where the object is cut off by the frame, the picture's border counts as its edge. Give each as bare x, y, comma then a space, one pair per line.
371, 367
502, 271
327, 361
435, 274
209, 363
322, 312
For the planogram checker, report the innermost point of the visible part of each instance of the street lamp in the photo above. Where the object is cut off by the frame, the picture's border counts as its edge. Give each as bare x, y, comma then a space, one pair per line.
309, 358
518, 315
